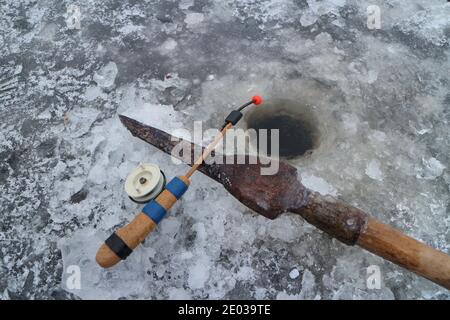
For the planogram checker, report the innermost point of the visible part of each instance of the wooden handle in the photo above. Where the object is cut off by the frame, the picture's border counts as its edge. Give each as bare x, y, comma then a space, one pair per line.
132, 234
352, 226
121, 243
407, 252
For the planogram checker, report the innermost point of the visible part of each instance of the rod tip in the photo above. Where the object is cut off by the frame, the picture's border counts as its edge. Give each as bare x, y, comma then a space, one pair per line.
256, 100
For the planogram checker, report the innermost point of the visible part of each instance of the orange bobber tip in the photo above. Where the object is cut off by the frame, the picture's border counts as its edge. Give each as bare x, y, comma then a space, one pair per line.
256, 100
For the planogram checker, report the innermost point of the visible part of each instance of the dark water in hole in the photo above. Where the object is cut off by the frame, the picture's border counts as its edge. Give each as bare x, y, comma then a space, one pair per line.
295, 137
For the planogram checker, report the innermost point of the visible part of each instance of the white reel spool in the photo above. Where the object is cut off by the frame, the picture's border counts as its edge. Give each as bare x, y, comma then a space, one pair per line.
145, 183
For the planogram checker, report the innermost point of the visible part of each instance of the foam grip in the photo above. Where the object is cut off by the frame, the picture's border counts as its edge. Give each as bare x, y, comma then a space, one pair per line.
157, 209
121, 243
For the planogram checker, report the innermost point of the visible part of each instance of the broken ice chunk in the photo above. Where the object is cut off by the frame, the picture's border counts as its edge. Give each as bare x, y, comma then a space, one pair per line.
432, 169
80, 121
294, 273
106, 76
423, 131
318, 184
308, 18
373, 170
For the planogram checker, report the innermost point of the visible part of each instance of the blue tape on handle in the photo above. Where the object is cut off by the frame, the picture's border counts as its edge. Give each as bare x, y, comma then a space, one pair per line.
177, 187
154, 210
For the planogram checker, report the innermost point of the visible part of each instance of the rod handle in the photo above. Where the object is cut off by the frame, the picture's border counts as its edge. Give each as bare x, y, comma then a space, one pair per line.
392, 245
122, 243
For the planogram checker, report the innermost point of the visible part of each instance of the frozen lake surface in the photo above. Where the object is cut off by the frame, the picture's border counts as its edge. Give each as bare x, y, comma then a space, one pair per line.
380, 97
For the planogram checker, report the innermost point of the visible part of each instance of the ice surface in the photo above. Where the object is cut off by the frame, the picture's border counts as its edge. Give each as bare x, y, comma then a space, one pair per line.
380, 98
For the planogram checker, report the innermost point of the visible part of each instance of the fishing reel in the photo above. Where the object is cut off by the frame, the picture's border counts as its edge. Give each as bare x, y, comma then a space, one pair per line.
145, 183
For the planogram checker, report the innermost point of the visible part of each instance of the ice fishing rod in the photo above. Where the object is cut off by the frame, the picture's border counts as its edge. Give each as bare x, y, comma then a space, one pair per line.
122, 242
